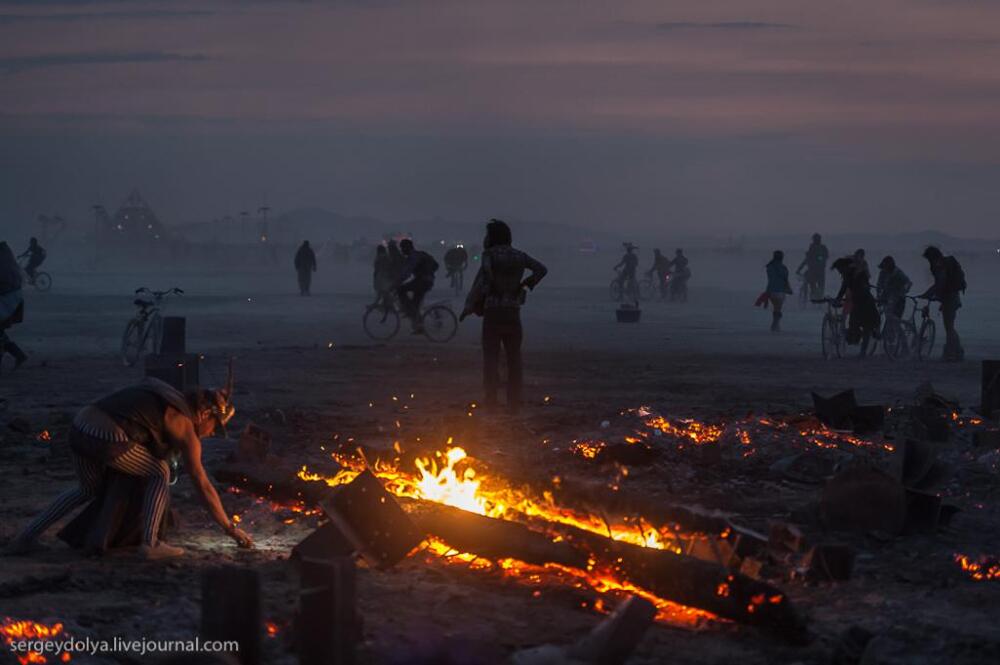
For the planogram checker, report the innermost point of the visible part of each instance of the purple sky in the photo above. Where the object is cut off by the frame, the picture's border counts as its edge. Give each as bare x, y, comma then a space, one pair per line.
725, 117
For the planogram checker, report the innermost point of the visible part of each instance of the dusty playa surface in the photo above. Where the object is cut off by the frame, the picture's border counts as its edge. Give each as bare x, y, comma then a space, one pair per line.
308, 375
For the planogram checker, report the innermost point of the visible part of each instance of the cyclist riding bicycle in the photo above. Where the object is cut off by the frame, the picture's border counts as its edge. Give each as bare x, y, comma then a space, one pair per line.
628, 265
415, 281
456, 260
36, 256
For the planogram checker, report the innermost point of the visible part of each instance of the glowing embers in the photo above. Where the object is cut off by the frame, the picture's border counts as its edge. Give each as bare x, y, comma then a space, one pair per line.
685, 428
588, 449
554, 575
13, 630
983, 569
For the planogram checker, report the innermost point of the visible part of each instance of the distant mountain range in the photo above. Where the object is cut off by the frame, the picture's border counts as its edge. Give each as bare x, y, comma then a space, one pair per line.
321, 225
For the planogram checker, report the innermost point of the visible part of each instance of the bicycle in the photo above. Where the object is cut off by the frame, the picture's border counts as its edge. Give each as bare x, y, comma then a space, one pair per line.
805, 291
901, 336
147, 322
833, 333
619, 291
649, 287
42, 281
381, 321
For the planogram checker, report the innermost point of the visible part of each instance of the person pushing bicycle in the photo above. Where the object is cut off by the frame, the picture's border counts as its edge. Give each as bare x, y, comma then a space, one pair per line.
628, 265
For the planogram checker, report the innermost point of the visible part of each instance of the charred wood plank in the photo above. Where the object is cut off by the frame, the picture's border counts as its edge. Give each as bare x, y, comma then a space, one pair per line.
372, 520
328, 627
230, 609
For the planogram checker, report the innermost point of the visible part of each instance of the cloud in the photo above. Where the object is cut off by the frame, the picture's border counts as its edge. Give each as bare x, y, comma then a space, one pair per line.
101, 16
21, 63
723, 25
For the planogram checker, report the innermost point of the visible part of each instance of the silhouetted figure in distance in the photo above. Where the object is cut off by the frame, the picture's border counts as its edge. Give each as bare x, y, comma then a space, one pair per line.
305, 266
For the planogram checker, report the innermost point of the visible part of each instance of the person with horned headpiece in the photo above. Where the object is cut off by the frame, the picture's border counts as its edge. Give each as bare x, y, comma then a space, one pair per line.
139, 431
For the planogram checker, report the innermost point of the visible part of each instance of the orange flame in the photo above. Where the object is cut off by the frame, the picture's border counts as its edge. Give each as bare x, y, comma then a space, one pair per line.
12, 630
983, 569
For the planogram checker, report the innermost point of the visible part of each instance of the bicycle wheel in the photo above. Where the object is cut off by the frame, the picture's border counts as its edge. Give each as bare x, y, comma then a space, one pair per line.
616, 290
925, 339
380, 322
439, 322
43, 281
133, 342
893, 340
830, 338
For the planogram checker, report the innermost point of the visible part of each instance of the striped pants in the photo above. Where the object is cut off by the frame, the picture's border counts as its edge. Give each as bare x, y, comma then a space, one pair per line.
138, 461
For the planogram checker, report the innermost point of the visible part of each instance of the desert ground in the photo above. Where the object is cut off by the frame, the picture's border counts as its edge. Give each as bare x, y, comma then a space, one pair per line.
306, 371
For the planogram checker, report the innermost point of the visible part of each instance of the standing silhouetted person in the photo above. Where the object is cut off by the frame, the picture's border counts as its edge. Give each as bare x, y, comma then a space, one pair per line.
681, 273
777, 287
11, 303
814, 264
305, 266
497, 295
949, 284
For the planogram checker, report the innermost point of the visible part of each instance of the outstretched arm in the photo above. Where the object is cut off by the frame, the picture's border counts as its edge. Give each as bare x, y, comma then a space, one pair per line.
183, 429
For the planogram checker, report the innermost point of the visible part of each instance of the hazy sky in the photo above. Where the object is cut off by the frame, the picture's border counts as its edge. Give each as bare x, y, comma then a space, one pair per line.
727, 116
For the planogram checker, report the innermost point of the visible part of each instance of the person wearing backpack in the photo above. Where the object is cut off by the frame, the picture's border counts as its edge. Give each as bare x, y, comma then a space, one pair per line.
497, 295
949, 284
415, 281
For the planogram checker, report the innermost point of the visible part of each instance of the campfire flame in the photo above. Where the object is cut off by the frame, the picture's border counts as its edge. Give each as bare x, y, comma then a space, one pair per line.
985, 568
449, 477
14, 630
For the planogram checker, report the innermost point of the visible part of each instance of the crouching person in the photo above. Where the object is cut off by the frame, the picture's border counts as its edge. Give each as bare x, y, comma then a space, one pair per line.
137, 431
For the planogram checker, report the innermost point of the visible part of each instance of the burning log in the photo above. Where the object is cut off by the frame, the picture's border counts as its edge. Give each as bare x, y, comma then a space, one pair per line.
327, 629
693, 582
492, 538
230, 609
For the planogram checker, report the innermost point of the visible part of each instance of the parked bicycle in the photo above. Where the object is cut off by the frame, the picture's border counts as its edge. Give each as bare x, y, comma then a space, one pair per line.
42, 281
381, 321
903, 336
833, 334
146, 327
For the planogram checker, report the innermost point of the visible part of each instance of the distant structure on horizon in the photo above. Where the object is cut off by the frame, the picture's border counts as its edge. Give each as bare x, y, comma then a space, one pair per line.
134, 229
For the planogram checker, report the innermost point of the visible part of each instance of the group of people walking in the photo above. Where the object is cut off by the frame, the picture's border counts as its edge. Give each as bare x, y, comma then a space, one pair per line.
865, 303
